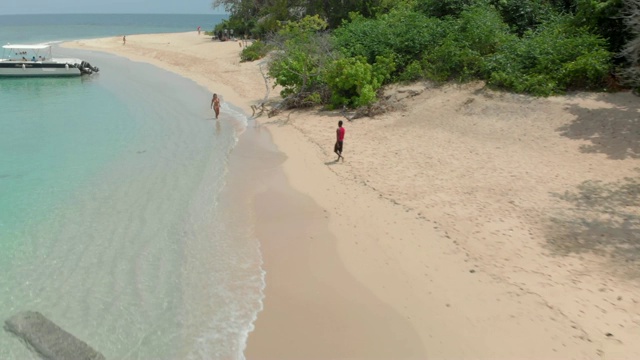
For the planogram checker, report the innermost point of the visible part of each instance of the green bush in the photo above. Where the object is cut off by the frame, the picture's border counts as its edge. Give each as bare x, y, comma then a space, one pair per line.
354, 82
537, 84
295, 71
401, 33
412, 72
535, 51
257, 50
301, 58
481, 28
443, 49
453, 61
239, 27
442, 8
550, 60
524, 15
475, 34
603, 17
588, 71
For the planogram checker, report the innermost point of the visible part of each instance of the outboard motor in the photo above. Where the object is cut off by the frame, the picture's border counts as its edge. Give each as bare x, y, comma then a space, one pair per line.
86, 68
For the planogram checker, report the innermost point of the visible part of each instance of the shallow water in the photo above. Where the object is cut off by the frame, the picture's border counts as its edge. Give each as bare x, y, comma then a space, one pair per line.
109, 219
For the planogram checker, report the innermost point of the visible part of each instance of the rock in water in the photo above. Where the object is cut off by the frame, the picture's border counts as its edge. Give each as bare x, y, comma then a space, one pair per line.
48, 339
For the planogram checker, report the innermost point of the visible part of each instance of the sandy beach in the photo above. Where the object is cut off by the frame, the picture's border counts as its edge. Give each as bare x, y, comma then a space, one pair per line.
466, 224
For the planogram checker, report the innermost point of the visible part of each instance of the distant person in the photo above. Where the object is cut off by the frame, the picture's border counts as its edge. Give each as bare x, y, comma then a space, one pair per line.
33, 58
215, 104
124, 39
339, 140
198, 30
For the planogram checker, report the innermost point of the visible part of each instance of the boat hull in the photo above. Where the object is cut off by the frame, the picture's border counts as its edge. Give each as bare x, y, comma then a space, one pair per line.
22, 69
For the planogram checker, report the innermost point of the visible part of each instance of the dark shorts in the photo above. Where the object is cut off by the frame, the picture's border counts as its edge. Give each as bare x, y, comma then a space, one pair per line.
338, 147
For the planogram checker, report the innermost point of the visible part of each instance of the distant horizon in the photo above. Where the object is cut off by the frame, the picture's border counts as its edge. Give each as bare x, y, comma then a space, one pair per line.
67, 7
112, 13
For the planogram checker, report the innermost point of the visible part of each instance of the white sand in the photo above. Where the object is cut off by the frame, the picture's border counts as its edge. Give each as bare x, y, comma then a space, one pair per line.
472, 224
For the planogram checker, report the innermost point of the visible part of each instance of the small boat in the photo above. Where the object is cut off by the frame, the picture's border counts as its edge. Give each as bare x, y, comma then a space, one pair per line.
36, 60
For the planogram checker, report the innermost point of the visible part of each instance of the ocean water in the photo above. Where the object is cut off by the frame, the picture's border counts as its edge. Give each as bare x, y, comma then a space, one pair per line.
18, 29
110, 220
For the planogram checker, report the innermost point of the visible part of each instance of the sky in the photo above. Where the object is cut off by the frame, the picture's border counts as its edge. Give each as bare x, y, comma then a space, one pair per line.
11, 7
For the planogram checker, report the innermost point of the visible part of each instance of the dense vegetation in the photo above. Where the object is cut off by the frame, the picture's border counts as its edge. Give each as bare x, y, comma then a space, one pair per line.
340, 53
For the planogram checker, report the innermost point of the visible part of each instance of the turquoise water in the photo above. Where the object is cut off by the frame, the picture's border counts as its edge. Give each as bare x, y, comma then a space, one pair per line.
109, 216
37, 28
48, 145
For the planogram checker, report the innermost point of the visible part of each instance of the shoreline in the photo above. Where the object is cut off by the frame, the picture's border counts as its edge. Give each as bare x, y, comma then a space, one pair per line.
437, 240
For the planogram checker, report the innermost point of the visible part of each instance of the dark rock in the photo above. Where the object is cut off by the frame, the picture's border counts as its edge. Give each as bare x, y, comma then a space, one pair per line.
48, 339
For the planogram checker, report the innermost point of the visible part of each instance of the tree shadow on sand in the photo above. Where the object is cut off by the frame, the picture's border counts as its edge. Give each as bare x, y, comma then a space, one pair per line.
612, 131
604, 219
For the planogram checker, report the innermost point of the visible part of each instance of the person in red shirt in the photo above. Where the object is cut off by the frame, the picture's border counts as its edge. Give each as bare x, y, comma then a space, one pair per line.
339, 140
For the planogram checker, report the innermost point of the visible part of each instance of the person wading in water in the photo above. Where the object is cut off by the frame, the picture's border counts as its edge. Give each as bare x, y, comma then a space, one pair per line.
215, 104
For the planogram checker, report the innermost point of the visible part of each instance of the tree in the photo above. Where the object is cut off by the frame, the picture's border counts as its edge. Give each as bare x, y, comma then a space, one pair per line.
335, 11
631, 50
442, 8
256, 16
603, 17
303, 51
269, 12
523, 15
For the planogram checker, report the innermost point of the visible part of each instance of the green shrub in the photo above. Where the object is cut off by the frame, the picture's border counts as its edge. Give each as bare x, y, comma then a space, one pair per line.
442, 8
313, 98
476, 33
588, 71
401, 33
523, 15
535, 52
301, 58
354, 82
603, 17
295, 71
550, 60
443, 49
257, 50
537, 84
305, 26
453, 60
412, 72
481, 28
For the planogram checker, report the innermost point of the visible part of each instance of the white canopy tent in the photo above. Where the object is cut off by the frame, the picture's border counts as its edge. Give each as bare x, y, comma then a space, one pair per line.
26, 47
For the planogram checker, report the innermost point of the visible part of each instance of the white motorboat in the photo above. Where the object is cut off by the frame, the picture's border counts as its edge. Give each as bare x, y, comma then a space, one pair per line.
36, 60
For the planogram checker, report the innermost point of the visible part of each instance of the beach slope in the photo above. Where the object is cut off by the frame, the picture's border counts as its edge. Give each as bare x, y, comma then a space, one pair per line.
468, 224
